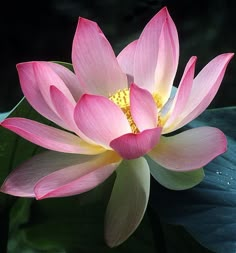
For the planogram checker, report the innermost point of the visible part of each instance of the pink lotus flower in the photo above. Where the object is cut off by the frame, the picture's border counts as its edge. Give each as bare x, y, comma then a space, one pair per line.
114, 111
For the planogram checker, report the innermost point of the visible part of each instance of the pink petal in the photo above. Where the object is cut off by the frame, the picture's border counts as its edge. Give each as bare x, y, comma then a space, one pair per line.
32, 93
22, 181
126, 60
94, 60
46, 77
69, 78
100, 119
131, 146
167, 61
49, 137
189, 150
182, 94
205, 87
84, 176
147, 56
65, 109
143, 108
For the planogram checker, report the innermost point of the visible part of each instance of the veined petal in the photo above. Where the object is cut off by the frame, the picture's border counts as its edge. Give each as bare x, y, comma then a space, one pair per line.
32, 93
205, 87
65, 109
22, 181
175, 180
94, 61
126, 60
131, 146
46, 77
100, 119
69, 78
182, 94
167, 61
189, 150
143, 108
50, 137
128, 201
148, 50
84, 176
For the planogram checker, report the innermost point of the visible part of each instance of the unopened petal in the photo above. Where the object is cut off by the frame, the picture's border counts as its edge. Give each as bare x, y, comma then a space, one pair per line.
189, 150
131, 146
128, 201
94, 61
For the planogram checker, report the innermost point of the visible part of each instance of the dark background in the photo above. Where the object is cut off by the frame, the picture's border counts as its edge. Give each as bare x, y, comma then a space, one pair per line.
44, 30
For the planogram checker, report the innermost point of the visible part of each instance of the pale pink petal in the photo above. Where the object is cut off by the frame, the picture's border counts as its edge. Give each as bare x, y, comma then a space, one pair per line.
131, 146
65, 109
69, 78
126, 60
49, 137
32, 93
148, 49
143, 108
22, 181
167, 61
46, 77
182, 94
189, 150
128, 201
94, 61
84, 176
100, 119
205, 87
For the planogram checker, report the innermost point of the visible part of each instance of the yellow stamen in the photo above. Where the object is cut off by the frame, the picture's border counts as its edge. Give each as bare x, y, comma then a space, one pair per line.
158, 100
122, 99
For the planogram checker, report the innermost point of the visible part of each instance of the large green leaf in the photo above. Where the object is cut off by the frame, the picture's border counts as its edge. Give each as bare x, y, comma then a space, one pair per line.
208, 211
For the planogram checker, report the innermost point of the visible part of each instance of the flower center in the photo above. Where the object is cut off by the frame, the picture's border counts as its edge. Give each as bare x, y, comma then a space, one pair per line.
122, 99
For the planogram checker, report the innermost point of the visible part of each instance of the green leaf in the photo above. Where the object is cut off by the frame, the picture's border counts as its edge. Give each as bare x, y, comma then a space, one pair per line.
128, 201
207, 211
175, 180
65, 64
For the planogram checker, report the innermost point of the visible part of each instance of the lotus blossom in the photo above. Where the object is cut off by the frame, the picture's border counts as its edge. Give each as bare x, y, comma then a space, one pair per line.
114, 114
